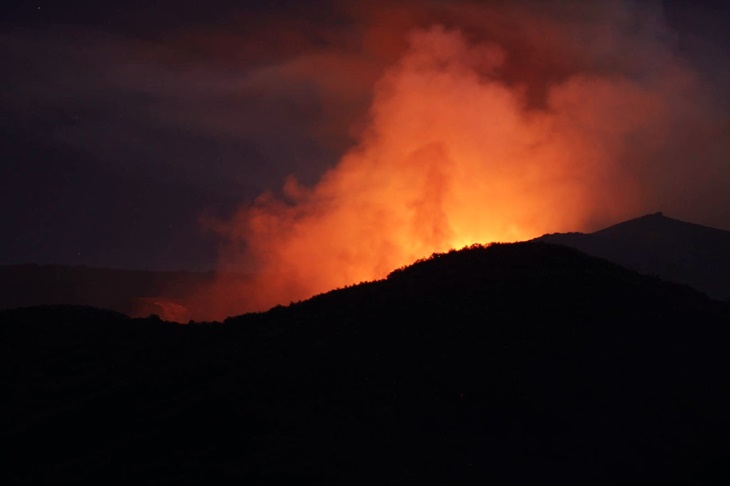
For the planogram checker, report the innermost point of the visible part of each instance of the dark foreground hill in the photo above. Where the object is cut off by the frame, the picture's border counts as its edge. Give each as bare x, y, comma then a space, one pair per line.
655, 244
513, 364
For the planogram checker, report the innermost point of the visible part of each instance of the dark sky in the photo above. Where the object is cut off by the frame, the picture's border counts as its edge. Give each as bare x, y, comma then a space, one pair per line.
126, 124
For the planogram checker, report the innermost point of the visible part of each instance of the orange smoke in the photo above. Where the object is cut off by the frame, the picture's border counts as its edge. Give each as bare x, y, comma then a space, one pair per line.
455, 153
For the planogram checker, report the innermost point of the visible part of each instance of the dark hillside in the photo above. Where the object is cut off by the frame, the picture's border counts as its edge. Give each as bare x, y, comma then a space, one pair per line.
513, 364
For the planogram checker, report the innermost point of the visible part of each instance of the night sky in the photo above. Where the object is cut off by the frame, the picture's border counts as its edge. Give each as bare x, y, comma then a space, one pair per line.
133, 133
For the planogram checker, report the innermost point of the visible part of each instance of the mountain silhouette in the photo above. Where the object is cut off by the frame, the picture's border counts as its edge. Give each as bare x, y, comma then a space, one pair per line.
655, 244
526, 363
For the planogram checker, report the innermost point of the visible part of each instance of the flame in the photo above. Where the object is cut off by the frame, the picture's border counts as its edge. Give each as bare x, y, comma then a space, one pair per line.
456, 152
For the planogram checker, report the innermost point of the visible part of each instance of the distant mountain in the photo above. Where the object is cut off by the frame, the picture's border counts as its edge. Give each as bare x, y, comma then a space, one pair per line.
526, 363
120, 290
132, 292
655, 244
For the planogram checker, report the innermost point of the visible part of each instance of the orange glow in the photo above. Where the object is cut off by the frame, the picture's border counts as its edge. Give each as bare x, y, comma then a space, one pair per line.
167, 309
451, 157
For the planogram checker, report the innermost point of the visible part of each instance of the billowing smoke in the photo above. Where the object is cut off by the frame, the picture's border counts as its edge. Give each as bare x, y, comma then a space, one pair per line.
495, 122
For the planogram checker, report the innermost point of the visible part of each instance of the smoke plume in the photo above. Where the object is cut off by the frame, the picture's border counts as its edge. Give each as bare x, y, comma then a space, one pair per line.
495, 122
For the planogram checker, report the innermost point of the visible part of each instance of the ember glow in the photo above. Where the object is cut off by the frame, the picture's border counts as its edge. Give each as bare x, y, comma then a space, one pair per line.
498, 125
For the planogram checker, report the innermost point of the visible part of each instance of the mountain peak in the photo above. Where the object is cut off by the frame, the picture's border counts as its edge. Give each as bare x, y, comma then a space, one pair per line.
658, 225
656, 244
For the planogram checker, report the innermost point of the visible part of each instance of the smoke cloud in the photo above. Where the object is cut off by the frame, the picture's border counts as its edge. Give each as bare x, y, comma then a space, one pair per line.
495, 122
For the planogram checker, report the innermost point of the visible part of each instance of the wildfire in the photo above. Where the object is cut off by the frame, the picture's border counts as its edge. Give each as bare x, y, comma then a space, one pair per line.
456, 152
